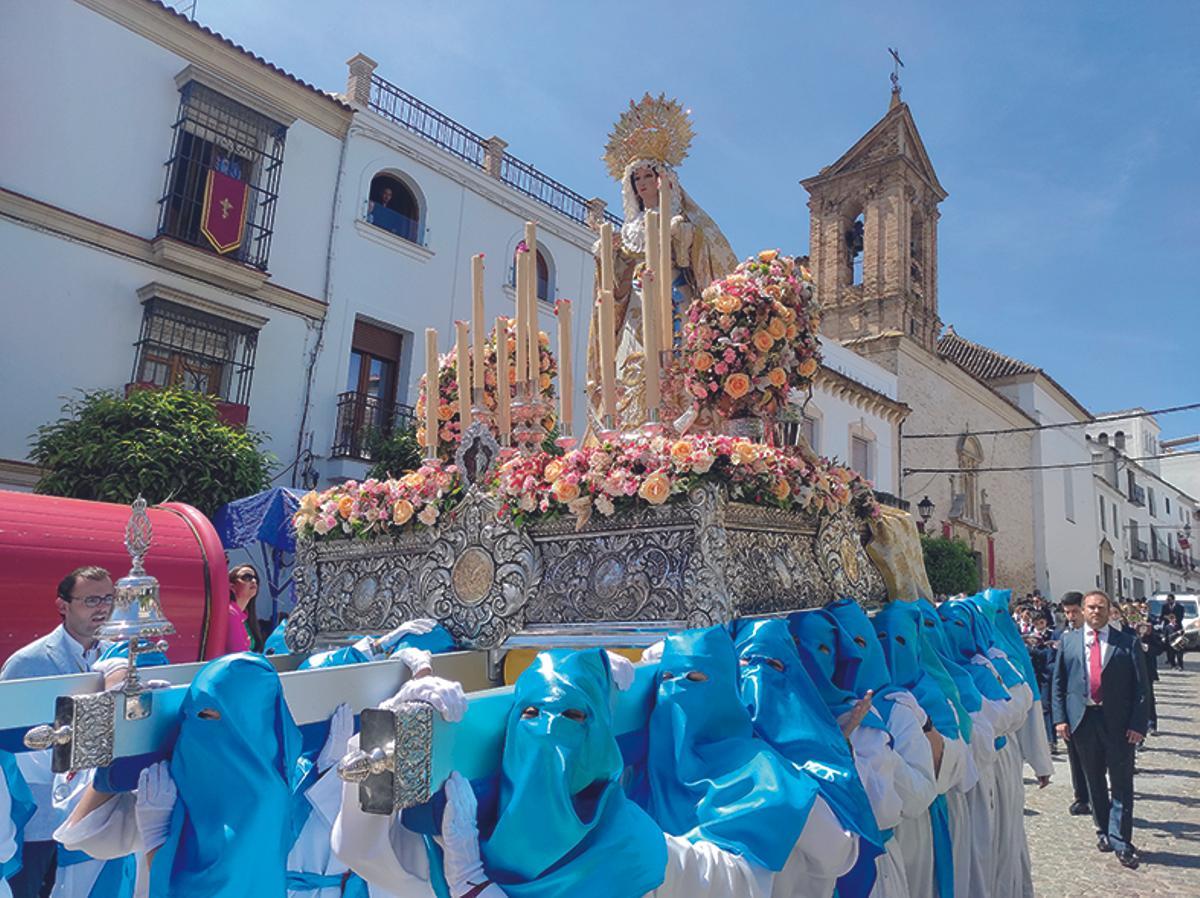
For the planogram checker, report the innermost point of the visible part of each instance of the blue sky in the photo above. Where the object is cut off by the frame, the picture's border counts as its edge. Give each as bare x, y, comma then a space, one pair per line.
1066, 134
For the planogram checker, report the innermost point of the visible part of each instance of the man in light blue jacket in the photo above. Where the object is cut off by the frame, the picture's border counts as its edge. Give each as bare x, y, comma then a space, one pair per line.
84, 600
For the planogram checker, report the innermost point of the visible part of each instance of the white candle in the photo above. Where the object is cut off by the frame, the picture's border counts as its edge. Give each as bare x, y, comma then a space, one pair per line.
566, 379
463, 351
531, 307
477, 322
650, 339
522, 319
432, 393
503, 396
666, 305
608, 361
606, 256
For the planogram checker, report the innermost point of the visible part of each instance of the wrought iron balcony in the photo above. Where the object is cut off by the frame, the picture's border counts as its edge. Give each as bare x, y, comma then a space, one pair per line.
361, 417
1137, 495
1140, 551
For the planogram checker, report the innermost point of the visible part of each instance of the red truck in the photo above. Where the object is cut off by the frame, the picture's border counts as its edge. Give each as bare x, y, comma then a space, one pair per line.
43, 538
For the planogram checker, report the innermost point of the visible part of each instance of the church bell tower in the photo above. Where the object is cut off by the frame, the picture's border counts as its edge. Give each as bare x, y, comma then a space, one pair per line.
873, 235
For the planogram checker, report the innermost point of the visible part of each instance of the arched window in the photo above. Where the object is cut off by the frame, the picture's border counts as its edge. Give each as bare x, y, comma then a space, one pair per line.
545, 274
852, 237
394, 207
970, 457
1119, 441
916, 254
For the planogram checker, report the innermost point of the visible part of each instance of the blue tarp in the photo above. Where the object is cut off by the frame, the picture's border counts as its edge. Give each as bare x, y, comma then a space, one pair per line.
266, 519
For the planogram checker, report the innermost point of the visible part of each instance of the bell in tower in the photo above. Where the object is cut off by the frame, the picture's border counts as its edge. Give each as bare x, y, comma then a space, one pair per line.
873, 235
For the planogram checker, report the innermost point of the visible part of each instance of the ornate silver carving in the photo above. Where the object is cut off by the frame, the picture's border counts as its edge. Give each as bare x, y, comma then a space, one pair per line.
842, 560
138, 535
491, 607
394, 764
81, 736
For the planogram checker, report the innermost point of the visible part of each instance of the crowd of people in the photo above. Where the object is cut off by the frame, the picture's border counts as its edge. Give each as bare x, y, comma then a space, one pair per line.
828, 752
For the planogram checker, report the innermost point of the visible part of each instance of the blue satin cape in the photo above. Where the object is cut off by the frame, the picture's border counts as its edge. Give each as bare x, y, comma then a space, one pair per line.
831, 659
789, 714
563, 824
231, 829
22, 808
961, 625
708, 777
935, 631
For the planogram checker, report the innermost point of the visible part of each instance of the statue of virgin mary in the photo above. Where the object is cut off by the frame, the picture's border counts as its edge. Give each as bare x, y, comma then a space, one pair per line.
649, 140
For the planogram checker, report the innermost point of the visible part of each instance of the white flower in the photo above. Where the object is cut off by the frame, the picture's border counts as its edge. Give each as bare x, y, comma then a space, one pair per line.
428, 515
604, 505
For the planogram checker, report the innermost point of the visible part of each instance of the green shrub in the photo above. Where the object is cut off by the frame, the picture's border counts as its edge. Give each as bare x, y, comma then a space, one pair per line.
167, 445
393, 455
950, 565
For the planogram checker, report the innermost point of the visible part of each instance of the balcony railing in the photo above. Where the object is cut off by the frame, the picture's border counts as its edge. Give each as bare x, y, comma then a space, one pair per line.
1137, 495
360, 417
1140, 551
405, 110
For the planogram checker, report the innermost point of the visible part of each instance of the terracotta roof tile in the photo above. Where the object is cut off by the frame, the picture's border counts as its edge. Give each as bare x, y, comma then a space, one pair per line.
978, 360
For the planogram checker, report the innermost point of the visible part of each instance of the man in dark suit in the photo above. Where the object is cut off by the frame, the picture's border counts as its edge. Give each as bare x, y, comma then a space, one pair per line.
1100, 706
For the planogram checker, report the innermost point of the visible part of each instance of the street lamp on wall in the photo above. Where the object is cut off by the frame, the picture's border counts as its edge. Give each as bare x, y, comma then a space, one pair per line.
925, 507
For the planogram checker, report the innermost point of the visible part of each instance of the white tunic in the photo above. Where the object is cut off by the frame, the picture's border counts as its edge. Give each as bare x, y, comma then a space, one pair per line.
917, 784
380, 850
107, 832
8, 834
77, 880
876, 762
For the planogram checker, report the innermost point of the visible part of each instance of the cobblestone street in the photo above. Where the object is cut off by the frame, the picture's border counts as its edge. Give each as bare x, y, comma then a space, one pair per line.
1166, 829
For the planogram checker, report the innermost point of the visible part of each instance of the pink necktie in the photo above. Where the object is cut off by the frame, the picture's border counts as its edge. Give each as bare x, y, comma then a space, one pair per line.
1094, 668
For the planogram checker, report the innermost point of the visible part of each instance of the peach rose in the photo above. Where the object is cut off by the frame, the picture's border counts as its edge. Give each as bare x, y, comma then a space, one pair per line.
428, 515
680, 450
310, 502
743, 452
544, 382
808, 367
564, 491
553, 471
777, 377
445, 412
656, 488
776, 328
782, 489
763, 341
727, 304
792, 332
702, 361
737, 385
402, 512
345, 506
768, 255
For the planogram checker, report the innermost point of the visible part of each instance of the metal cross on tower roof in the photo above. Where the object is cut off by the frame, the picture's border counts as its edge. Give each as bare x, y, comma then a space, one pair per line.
896, 66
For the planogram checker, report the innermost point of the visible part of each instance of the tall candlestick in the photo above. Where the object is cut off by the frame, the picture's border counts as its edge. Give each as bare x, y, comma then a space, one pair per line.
608, 353
462, 349
531, 307
432, 392
478, 322
522, 319
606, 256
666, 304
650, 321
503, 396
566, 376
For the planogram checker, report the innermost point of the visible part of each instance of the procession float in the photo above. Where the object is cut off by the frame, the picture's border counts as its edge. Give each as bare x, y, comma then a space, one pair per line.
688, 500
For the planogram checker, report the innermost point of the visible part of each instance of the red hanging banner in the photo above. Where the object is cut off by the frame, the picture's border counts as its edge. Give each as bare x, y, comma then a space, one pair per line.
223, 216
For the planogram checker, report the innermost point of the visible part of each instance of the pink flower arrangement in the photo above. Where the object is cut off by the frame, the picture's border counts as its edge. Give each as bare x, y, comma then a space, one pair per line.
751, 338
449, 426
628, 472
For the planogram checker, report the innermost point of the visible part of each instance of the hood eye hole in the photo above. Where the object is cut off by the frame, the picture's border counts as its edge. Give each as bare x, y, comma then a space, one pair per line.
529, 713
860, 642
901, 640
929, 624
667, 675
697, 676
209, 714
776, 664
824, 649
575, 714
959, 623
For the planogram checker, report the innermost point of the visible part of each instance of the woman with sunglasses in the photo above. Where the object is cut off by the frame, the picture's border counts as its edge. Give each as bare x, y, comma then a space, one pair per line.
244, 633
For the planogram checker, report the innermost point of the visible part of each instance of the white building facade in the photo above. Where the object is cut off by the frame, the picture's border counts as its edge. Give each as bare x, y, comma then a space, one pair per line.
1145, 547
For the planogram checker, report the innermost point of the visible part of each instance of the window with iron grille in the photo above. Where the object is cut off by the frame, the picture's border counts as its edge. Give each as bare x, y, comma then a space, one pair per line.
183, 347
215, 134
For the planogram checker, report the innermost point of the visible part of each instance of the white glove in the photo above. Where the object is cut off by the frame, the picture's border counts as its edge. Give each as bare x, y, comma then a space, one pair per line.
652, 654
447, 697
418, 627
994, 652
909, 701
341, 728
460, 837
155, 800
622, 670
418, 661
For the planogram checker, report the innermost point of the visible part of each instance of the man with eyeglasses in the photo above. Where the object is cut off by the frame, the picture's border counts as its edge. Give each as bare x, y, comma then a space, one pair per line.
84, 601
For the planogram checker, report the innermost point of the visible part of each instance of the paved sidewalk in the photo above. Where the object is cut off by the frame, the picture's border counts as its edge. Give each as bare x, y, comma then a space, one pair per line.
1166, 828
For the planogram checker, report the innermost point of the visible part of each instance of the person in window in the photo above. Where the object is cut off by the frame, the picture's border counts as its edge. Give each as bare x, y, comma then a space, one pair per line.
228, 165
385, 200
244, 633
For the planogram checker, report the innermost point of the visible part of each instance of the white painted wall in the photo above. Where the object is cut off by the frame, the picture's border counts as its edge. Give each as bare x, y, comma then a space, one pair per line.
87, 111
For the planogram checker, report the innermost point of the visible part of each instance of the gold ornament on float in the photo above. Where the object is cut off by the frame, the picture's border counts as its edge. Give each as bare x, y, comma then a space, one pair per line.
655, 129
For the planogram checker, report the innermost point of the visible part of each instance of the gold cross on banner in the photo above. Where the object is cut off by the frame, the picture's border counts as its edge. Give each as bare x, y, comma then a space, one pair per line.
225, 207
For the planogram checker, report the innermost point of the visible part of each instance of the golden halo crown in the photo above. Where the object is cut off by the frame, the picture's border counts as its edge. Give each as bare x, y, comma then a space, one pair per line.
653, 128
